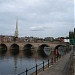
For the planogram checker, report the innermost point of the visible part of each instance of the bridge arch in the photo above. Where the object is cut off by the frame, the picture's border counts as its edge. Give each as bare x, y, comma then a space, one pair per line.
60, 50
14, 49
41, 51
28, 49
3, 48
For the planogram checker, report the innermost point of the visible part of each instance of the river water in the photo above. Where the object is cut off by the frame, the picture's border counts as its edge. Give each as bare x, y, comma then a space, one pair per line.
14, 65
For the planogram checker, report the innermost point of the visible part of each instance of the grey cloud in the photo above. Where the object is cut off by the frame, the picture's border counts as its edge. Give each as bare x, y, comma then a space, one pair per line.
36, 14
39, 28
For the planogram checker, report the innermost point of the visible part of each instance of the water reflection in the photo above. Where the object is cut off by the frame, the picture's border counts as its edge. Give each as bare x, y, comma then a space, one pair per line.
15, 63
2, 53
14, 52
27, 53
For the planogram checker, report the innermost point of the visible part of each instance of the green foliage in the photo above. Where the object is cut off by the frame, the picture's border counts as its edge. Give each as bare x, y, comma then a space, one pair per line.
72, 41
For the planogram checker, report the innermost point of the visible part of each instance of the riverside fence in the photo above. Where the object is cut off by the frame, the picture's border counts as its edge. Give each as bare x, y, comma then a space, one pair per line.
38, 67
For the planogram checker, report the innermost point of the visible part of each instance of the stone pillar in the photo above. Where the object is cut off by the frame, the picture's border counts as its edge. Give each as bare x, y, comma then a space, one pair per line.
35, 53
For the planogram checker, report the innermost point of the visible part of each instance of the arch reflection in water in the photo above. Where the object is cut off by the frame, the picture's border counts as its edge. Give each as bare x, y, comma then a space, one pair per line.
41, 50
14, 49
60, 50
47, 51
3, 49
28, 50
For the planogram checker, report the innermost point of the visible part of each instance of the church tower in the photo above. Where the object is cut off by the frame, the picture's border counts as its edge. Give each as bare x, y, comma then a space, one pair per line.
16, 31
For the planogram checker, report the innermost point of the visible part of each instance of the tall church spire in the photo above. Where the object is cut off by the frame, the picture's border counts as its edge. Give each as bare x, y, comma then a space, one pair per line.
16, 31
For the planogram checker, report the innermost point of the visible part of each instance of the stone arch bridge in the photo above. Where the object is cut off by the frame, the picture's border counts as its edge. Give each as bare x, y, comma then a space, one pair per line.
39, 46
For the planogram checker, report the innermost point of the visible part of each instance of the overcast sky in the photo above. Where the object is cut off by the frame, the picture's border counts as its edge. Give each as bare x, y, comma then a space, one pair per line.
38, 18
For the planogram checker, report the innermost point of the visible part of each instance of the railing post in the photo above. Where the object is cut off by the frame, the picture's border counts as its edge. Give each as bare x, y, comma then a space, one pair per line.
26, 71
43, 65
36, 69
48, 62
